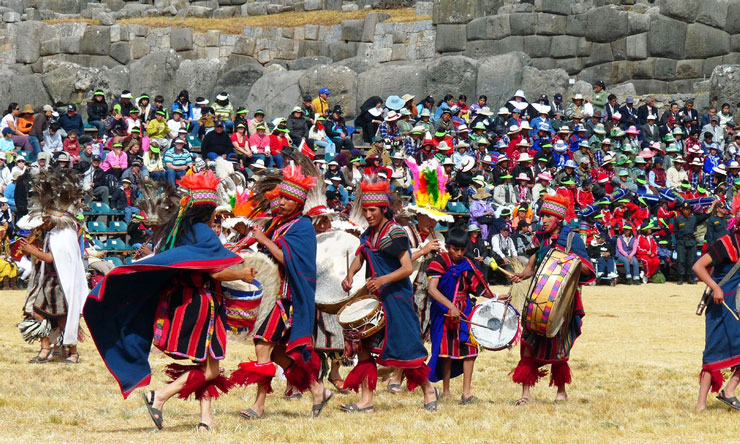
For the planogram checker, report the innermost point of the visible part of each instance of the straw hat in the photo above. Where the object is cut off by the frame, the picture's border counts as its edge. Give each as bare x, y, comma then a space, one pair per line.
525, 157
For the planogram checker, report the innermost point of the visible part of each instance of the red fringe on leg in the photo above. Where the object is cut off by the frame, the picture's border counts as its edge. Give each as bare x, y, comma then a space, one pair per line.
196, 380
364, 370
560, 374
718, 380
415, 377
527, 372
211, 388
302, 374
253, 373
175, 370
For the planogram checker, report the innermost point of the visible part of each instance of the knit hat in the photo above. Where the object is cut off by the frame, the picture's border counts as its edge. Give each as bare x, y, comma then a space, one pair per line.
295, 185
201, 188
375, 194
555, 205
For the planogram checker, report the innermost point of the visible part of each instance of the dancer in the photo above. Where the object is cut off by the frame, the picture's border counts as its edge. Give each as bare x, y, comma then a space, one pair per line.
722, 336
57, 286
537, 350
452, 279
284, 338
384, 246
178, 305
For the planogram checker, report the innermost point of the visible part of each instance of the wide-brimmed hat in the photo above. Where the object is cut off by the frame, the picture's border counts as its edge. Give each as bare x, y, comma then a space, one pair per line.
481, 193
394, 102
599, 129
407, 97
577, 97
27, 109
392, 116
486, 111
679, 159
696, 162
564, 130
467, 163
545, 176
523, 176
632, 130
525, 125
503, 111
448, 161
513, 129
425, 113
524, 142
525, 157
646, 154
720, 169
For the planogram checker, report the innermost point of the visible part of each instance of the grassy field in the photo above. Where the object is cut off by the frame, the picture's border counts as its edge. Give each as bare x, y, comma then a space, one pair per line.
236, 25
635, 374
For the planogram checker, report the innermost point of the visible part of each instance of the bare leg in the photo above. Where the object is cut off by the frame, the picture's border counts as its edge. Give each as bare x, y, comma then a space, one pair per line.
396, 377
366, 395
732, 383
264, 352
705, 383
526, 353
211, 370
467, 376
446, 371
334, 370
561, 395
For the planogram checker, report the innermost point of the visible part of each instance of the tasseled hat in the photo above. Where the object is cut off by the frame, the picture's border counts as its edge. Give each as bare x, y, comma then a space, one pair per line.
201, 189
555, 205
295, 185
273, 196
375, 194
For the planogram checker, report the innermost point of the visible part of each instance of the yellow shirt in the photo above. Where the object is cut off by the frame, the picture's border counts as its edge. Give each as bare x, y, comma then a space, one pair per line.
321, 106
156, 129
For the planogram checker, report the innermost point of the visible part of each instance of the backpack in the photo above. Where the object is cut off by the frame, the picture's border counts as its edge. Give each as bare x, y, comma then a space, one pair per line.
111, 181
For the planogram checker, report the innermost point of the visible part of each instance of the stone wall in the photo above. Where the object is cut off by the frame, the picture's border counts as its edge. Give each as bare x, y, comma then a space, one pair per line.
492, 47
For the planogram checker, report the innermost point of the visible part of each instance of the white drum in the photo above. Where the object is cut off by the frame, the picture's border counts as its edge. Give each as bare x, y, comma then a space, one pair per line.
333, 249
501, 320
362, 317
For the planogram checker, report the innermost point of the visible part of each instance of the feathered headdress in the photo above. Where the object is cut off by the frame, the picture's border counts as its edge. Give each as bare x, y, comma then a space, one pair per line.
56, 195
295, 185
158, 201
375, 193
227, 191
201, 189
556, 205
430, 191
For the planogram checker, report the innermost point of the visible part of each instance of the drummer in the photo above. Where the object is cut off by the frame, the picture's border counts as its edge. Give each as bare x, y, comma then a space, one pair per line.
385, 247
538, 350
452, 279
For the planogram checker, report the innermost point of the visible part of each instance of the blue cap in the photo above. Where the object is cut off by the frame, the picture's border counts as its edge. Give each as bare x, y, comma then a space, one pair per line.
324, 91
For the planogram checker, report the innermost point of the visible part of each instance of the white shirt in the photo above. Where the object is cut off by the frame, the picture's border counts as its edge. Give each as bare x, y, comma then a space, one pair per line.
503, 246
175, 127
5, 177
6, 121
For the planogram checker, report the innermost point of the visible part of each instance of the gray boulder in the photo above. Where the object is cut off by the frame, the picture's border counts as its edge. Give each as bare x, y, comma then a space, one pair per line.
451, 75
450, 38
457, 11
238, 81
96, 40
500, 76
121, 52
724, 85
392, 79
277, 92
28, 41
606, 24
684, 10
68, 82
199, 76
307, 62
155, 73
713, 12
703, 41
549, 81
341, 81
666, 37
489, 28
181, 39
359, 64
733, 18
23, 89
352, 30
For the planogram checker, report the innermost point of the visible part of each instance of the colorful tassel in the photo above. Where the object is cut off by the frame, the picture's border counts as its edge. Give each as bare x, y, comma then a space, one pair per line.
210, 390
416, 377
253, 373
527, 372
302, 374
196, 380
718, 380
363, 371
560, 374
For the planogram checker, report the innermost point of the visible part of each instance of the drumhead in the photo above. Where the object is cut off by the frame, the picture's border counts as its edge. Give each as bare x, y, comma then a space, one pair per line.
501, 330
332, 250
354, 311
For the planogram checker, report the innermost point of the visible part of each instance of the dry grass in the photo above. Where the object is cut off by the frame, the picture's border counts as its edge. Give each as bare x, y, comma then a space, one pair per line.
285, 20
73, 20
635, 380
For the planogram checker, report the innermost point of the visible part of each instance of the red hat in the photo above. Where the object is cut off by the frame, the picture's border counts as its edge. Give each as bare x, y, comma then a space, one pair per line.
602, 178
295, 185
375, 194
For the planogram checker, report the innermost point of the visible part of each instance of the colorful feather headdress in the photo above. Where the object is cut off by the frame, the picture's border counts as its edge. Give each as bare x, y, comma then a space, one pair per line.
158, 201
735, 213
201, 189
375, 193
56, 195
430, 191
296, 185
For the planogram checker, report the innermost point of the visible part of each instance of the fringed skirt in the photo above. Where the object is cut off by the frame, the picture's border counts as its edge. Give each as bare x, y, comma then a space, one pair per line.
45, 296
328, 335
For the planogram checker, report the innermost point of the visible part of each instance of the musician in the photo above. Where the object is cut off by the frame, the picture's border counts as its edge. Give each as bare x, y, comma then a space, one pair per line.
452, 279
57, 286
177, 304
722, 337
385, 248
537, 350
285, 337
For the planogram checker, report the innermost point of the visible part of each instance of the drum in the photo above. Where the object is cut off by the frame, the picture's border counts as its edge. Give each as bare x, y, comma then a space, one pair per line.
362, 317
269, 279
502, 321
549, 304
333, 249
242, 301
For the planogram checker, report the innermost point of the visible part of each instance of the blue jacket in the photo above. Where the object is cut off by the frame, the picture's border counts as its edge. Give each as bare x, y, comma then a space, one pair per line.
72, 123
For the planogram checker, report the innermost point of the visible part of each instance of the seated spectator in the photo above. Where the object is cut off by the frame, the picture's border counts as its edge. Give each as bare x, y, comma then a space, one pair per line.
157, 128
97, 111
94, 181
224, 111
9, 191
177, 161
279, 141
175, 124
72, 146
240, 144
602, 251
25, 119
124, 198
9, 120
137, 175
216, 143
71, 121
115, 161
338, 132
298, 127
626, 255
153, 163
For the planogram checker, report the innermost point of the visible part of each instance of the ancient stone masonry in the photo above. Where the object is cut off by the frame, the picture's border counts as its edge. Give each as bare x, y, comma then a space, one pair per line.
493, 47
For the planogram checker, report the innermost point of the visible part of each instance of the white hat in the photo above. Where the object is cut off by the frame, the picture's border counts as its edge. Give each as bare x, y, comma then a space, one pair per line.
487, 159
202, 102
463, 128
503, 111
448, 161
222, 97
127, 95
407, 97
651, 116
541, 109
520, 93
467, 164
392, 116
486, 111
734, 164
398, 155
560, 146
523, 142
697, 162
525, 125
578, 97
425, 113
720, 170
513, 129
522, 176
525, 157
258, 164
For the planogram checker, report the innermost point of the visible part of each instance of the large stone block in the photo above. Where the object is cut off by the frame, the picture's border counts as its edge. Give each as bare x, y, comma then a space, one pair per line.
537, 45
155, 73
733, 18
500, 76
550, 24
724, 85
342, 50
576, 25
644, 69
713, 13
238, 81
561, 7
50, 47
181, 39
637, 46
244, 46
564, 46
619, 49
312, 5
600, 53
96, 40
523, 24
638, 22
28, 41
23, 88
606, 24
666, 37
308, 62
734, 43
684, 10
456, 11
199, 76
341, 81
710, 64
352, 30
489, 28
277, 92
371, 21
121, 52
450, 38
536, 81
257, 8
571, 66
689, 69
704, 41
451, 74
665, 69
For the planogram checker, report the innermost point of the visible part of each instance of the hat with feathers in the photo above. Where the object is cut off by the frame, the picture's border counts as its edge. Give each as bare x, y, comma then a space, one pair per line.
56, 195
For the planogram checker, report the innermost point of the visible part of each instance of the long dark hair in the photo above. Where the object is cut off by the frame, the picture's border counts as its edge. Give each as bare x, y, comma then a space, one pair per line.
445, 99
11, 108
194, 215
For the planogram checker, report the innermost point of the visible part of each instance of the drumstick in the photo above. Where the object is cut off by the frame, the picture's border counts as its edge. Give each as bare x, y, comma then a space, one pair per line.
474, 323
346, 255
732, 312
494, 266
503, 318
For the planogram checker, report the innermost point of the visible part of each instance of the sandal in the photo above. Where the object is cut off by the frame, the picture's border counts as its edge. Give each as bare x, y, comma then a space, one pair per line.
202, 425
317, 408
354, 408
394, 388
732, 402
71, 360
250, 414
292, 396
469, 400
521, 401
38, 359
338, 383
432, 406
154, 413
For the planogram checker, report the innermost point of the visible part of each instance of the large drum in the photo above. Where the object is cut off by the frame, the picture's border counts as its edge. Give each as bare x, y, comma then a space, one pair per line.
498, 325
362, 317
333, 250
549, 304
242, 302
